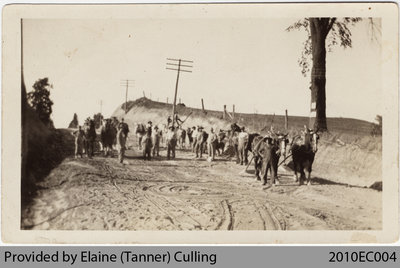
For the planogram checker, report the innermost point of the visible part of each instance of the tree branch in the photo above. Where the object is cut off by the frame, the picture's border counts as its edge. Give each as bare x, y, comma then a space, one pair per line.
331, 22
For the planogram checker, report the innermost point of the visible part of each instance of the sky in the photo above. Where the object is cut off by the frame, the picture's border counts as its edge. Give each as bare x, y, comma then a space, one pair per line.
252, 63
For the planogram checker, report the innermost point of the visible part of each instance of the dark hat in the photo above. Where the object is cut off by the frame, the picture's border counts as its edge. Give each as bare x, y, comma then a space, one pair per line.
149, 122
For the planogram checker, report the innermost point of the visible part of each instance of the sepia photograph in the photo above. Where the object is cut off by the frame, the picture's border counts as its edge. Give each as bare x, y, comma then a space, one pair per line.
221, 121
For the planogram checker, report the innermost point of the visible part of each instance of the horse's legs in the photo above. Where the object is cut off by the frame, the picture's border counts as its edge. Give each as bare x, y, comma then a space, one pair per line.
274, 172
90, 150
86, 144
140, 142
307, 171
297, 168
257, 167
144, 153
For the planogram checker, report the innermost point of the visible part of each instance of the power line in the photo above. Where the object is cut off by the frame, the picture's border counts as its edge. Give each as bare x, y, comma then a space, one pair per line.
175, 65
126, 83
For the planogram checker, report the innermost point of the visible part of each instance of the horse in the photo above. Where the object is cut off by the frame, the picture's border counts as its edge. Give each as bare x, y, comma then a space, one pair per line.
256, 148
234, 139
303, 155
140, 132
90, 137
235, 128
114, 130
220, 142
181, 137
203, 145
148, 145
108, 136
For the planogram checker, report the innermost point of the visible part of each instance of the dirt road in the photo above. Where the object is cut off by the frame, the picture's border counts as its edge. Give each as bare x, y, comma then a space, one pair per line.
190, 194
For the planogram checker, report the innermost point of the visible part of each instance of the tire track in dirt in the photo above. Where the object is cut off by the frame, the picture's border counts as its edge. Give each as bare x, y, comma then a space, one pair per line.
187, 194
227, 220
161, 203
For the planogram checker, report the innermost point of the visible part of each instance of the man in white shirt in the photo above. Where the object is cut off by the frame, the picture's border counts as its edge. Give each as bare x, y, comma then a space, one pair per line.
194, 135
171, 142
242, 147
156, 141
121, 142
211, 144
199, 142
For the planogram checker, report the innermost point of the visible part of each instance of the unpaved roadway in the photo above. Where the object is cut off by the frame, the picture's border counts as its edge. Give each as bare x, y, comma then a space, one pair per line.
190, 194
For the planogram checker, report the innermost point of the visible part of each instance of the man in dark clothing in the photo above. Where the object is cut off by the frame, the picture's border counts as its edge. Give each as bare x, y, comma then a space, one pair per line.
124, 126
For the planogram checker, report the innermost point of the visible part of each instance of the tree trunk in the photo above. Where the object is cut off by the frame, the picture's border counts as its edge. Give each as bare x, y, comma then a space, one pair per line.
318, 72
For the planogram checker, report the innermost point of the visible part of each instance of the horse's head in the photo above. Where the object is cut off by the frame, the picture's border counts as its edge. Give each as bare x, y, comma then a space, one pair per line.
235, 128
310, 140
221, 135
314, 141
283, 141
91, 123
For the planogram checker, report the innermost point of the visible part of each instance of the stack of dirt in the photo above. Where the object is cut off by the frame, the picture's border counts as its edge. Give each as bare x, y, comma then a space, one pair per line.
143, 110
349, 159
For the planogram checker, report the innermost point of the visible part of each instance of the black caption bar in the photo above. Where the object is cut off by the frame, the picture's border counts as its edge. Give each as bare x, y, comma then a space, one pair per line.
222, 256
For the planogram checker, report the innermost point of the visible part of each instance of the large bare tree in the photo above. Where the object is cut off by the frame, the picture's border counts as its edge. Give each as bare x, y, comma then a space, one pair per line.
322, 35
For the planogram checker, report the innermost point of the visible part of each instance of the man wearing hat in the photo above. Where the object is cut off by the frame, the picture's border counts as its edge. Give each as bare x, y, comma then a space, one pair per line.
79, 136
169, 121
156, 142
124, 127
189, 133
194, 135
149, 126
171, 142
212, 145
242, 146
199, 142
121, 143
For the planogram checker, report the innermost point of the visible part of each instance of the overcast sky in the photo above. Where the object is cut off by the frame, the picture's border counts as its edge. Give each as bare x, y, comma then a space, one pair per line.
252, 63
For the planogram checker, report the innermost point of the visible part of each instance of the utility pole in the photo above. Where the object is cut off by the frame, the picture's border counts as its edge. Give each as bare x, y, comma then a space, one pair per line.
224, 113
101, 106
286, 120
127, 83
176, 65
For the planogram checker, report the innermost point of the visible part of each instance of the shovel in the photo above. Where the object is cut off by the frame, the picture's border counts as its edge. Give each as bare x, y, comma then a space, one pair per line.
244, 171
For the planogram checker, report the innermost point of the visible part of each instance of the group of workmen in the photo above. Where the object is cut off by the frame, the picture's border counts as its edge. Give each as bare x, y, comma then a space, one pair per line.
195, 138
114, 134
